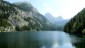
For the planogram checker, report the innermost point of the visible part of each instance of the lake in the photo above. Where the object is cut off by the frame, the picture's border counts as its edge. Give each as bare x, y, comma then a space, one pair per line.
40, 39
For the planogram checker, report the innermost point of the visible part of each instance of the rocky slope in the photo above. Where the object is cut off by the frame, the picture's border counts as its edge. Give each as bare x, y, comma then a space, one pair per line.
21, 17
50, 17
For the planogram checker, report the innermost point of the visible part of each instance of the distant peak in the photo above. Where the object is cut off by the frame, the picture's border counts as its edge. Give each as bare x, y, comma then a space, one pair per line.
59, 18
48, 14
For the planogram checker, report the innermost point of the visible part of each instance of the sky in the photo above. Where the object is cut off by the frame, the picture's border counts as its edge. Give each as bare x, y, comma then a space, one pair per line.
65, 8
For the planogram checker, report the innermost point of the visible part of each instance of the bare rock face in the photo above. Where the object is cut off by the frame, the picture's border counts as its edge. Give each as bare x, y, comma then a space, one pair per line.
21, 18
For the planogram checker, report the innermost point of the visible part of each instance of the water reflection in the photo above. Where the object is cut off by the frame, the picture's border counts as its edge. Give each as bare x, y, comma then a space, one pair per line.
46, 39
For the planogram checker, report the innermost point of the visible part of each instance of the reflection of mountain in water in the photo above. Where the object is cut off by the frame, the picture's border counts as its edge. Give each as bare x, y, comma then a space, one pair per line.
50, 39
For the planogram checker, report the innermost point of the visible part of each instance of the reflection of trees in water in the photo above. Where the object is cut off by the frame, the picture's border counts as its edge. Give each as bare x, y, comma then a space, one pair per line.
3, 40
15, 40
80, 44
28, 40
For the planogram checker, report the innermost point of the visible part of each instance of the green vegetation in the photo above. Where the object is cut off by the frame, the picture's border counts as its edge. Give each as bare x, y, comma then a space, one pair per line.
4, 23
23, 17
5, 12
6, 9
77, 24
39, 22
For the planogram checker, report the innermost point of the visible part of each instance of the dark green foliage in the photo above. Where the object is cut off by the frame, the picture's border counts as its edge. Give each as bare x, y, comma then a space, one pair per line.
6, 9
4, 23
76, 24
80, 44
24, 28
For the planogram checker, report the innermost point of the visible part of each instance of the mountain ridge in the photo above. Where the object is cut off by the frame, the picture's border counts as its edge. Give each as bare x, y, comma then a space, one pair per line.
22, 18
59, 22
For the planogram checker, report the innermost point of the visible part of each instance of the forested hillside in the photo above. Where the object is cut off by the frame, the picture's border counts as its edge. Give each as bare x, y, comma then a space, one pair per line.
77, 24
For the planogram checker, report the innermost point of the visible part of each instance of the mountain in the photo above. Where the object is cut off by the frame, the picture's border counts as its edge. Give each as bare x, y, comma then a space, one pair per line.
22, 16
50, 17
56, 20
59, 22
59, 18
76, 25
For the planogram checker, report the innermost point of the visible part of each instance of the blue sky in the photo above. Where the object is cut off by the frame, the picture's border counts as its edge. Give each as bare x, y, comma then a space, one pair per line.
65, 8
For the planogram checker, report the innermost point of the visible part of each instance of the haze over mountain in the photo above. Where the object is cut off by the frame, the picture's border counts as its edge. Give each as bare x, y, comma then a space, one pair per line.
50, 17
59, 18
22, 16
58, 21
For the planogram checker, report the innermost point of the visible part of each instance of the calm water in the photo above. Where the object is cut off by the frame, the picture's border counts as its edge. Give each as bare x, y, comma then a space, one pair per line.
42, 39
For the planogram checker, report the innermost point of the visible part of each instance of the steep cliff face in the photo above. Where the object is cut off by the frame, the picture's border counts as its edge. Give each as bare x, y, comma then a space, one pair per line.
6, 9
21, 17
